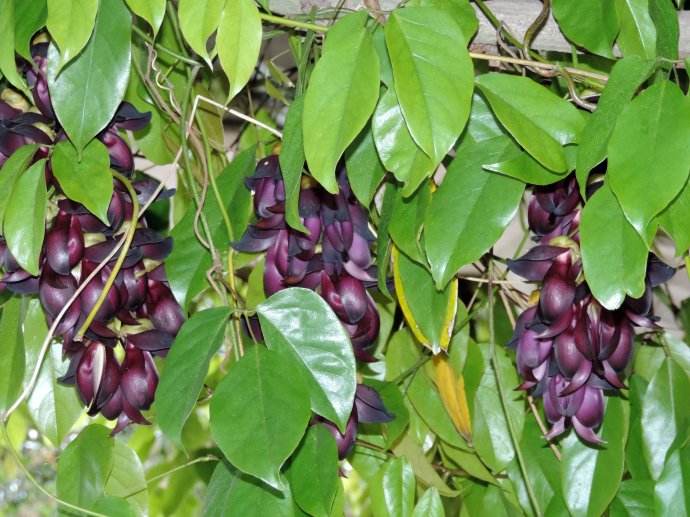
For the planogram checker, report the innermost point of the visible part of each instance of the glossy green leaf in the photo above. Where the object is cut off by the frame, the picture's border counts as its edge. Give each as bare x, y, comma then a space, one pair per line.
15, 165
537, 118
84, 465
523, 167
153, 11
672, 490
433, 76
679, 351
70, 23
299, 322
313, 472
614, 257
8, 65
86, 179
88, 90
292, 162
343, 105
392, 492
638, 34
239, 42
460, 10
407, 219
114, 507
408, 448
626, 77
53, 407
665, 18
430, 314
233, 493
634, 498
648, 157
186, 366
429, 505
591, 475
674, 220
127, 477
198, 20
398, 151
590, 24
12, 362
394, 402
24, 221
364, 168
469, 462
479, 204
665, 415
30, 17
279, 402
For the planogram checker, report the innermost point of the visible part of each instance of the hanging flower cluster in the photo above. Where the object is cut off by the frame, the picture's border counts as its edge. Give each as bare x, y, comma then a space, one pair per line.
570, 349
333, 258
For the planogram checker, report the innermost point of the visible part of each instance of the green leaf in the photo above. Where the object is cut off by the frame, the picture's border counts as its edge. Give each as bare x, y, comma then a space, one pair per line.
626, 77
538, 119
648, 157
614, 258
198, 20
313, 472
233, 493
8, 65
429, 505
591, 24
665, 18
24, 221
239, 42
430, 313
70, 23
53, 407
674, 220
298, 321
114, 507
462, 12
407, 219
408, 448
364, 168
638, 34
12, 361
153, 11
523, 167
127, 477
87, 180
88, 90
665, 415
634, 498
259, 441
15, 165
591, 475
672, 490
84, 465
479, 205
433, 76
398, 151
292, 162
392, 491
30, 17
185, 369
341, 96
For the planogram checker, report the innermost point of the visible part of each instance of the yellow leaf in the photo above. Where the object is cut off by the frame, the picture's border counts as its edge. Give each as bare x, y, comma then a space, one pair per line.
452, 389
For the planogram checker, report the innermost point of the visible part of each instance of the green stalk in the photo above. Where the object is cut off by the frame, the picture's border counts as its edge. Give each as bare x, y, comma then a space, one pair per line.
286, 22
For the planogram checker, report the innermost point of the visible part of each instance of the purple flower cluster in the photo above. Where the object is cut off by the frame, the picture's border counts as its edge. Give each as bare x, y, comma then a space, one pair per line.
333, 258
139, 313
570, 349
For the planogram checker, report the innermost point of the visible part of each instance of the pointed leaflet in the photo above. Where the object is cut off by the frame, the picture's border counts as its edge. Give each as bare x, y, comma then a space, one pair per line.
153, 11
292, 162
398, 151
430, 314
460, 10
429, 505
53, 407
239, 42
259, 441
88, 90
342, 93
626, 77
537, 118
451, 386
591, 475
364, 168
8, 65
591, 24
649, 158
479, 204
665, 414
12, 358
30, 18
127, 477
407, 221
198, 20
638, 34
665, 18
392, 491
521, 166
185, 369
70, 23
433, 75
407, 447
24, 221
672, 490
298, 321
86, 179
15, 165
614, 257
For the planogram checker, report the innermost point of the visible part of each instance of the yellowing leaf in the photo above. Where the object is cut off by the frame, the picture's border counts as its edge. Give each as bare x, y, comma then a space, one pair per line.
451, 386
